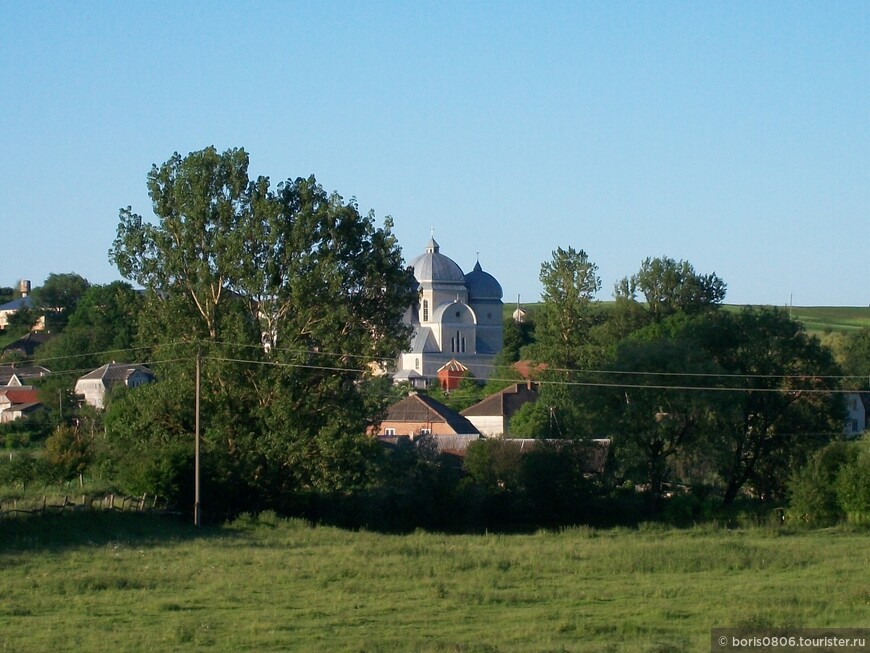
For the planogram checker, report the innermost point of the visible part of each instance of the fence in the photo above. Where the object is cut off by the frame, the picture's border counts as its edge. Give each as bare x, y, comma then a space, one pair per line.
110, 501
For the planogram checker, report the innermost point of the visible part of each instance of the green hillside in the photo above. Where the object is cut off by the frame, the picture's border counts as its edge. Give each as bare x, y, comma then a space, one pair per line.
816, 319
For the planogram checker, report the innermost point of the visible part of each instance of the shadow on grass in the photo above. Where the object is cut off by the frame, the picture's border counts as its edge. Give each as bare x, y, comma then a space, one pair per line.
97, 528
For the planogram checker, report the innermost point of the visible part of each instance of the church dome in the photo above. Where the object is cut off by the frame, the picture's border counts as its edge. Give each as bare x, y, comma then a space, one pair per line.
482, 285
435, 267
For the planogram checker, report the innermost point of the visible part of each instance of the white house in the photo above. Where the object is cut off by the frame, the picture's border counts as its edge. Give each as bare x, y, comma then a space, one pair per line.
457, 317
94, 385
492, 415
857, 404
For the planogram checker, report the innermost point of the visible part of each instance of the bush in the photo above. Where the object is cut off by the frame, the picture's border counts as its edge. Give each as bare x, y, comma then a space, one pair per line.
812, 491
853, 489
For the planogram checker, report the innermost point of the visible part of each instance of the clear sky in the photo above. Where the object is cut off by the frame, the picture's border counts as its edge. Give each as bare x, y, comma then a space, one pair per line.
734, 135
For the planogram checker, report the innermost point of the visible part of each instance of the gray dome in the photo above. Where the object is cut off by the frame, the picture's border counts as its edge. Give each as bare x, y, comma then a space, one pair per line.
482, 285
435, 267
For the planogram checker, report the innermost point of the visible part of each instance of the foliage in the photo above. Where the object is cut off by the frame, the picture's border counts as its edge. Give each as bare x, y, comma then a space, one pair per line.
293, 294
780, 409
58, 297
670, 286
101, 329
566, 317
69, 452
469, 392
812, 489
656, 417
856, 354
853, 487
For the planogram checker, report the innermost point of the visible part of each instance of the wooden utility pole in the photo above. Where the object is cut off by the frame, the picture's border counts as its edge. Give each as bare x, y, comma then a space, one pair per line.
197, 510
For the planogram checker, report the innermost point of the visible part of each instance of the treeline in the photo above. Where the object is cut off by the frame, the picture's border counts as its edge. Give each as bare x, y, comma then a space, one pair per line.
292, 302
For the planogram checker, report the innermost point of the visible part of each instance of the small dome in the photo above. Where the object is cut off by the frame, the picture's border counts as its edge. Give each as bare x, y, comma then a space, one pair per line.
482, 285
435, 267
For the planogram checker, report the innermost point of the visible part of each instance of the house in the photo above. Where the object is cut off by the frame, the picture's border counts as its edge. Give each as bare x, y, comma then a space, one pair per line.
491, 416
857, 411
17, 402
28, 344
458, 317
15, 375
24, 300
92, 387
419, 414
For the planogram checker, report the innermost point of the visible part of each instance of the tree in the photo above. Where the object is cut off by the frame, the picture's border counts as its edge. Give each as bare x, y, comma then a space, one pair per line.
669, 286
102, 328
780, 406
856, 354
293, 295
69, 452
658, 409
58, 297
567, 314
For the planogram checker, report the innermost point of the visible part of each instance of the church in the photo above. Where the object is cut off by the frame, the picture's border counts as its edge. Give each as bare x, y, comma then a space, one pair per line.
457, 318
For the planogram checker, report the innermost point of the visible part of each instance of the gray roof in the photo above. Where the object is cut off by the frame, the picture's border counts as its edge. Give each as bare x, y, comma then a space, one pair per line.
435, 267
17, 304
422, 341
504, 403
115, 372
482, 285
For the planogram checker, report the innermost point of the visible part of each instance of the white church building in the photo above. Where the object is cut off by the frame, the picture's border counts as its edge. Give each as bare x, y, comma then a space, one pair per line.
458, 316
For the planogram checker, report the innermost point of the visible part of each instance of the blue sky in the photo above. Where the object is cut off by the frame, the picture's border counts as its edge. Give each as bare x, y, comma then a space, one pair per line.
733, 135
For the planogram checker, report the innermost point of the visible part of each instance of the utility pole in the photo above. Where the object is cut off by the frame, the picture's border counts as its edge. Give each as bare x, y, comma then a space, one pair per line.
197, 510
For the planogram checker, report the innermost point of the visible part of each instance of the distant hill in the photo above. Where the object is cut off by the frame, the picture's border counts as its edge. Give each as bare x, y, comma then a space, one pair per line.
816, 319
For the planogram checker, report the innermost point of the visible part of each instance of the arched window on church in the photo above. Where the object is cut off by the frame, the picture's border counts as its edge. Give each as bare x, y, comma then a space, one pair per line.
425, 310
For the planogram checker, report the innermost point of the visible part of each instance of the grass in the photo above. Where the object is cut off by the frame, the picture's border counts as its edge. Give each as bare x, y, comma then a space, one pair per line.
105, 582
818, 320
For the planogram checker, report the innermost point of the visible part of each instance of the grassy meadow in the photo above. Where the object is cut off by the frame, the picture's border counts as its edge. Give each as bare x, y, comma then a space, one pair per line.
115, 582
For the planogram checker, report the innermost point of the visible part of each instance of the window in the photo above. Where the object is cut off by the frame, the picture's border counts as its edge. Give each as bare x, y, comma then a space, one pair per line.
417, 363
389, 431
425, 310
425, 431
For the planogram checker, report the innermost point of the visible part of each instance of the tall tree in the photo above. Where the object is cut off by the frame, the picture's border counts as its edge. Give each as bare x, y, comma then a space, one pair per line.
295, 295
567, 314
781, 407
58, 297
102, 328
668, 286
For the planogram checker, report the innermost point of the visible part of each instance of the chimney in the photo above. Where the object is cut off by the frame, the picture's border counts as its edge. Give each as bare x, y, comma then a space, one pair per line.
24, 287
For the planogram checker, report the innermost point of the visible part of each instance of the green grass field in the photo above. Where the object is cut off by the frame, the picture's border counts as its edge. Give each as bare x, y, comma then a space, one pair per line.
111, 582
816, 319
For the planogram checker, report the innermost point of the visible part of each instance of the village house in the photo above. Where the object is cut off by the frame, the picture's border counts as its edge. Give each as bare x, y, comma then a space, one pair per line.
93, 386
419, 415
857, 409
492, 415
18, 401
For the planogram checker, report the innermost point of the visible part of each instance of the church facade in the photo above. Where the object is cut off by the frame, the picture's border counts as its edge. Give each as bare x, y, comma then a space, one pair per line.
457, 316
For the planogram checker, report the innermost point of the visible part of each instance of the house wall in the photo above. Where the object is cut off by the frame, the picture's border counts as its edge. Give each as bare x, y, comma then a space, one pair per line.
93, 391
490, 426
414, 428
856, 417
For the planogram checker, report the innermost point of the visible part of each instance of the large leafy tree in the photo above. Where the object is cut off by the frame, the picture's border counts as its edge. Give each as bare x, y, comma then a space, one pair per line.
102, 328
568, 310
782, 396
654, 402
665, 286
292, 295
59, 296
